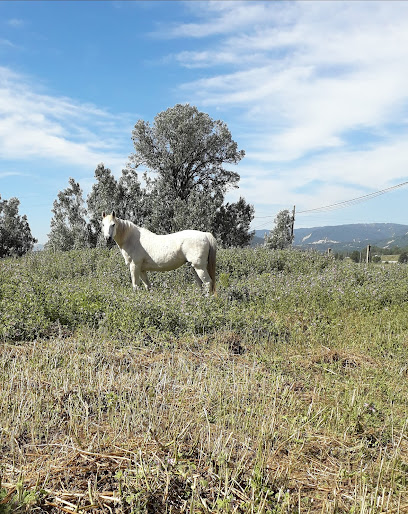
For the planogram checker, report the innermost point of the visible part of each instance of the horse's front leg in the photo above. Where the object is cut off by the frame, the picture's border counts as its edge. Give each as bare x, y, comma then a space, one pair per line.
135, 275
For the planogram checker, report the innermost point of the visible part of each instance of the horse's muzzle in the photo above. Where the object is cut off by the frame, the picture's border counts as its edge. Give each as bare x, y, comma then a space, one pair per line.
109, 240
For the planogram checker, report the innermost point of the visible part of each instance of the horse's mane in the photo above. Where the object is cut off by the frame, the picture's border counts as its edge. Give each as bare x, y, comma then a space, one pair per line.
127, 223
129, 226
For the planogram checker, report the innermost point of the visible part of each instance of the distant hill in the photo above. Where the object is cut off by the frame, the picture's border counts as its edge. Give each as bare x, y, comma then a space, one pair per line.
347, 237
340, 237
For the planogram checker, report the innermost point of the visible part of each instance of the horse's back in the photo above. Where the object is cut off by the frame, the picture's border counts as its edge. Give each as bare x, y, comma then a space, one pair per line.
178, 238
169, 251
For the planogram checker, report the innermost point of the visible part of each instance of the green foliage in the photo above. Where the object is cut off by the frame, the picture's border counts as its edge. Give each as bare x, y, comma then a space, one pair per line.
231, 224
124, 196
68, 224
15, 232
355, 256
21, 501
281, 236
187, 150
44, 293
403, 258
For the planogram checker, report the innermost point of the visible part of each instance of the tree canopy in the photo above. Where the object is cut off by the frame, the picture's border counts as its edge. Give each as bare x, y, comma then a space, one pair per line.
184, 153
184, 182
68, 225
187, 149
15, 233
281, 236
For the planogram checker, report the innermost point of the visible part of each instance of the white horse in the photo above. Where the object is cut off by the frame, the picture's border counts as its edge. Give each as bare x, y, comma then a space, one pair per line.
145, 251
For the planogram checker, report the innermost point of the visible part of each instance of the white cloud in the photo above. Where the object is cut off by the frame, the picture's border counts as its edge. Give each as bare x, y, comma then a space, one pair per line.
6, 43
325, 180
347, 65
217, 18
320, 92
5, 174
15, 22
375, 168
38, 125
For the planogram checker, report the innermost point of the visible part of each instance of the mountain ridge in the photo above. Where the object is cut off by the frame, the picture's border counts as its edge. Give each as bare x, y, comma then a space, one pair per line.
347, 237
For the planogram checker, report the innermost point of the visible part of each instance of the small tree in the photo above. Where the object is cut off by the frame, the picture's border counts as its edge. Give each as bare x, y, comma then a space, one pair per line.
232, 222
132, 203
125, 197
104, 196
15, 232
280, 236
355, 256
68, 225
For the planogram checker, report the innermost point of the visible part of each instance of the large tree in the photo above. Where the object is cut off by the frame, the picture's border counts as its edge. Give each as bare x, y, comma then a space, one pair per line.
187, 149
69, 229
184, 153
15, 232
182, 156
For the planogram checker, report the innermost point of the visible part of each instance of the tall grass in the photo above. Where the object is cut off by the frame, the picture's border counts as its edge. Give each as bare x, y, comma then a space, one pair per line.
285, 393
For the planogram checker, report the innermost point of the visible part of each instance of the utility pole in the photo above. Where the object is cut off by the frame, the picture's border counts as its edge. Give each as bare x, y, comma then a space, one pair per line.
292, 229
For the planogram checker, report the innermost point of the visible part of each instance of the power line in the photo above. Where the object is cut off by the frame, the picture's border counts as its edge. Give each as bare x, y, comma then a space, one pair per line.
347, 203
344, 203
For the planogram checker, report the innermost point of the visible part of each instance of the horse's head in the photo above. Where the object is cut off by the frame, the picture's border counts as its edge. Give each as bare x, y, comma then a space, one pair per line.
109, 226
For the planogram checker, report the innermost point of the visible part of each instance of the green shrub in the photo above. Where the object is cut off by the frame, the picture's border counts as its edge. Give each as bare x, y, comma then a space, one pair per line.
42, 293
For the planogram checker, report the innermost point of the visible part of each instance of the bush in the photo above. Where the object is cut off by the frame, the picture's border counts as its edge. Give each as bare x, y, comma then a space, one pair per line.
44, 293
403, 258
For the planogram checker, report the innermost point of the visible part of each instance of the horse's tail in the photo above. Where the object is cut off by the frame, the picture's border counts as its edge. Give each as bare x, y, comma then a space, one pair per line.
212, 254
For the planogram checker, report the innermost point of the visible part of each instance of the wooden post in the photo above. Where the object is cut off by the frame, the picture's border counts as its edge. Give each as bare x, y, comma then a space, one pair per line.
368, 257
292, 230
329, 252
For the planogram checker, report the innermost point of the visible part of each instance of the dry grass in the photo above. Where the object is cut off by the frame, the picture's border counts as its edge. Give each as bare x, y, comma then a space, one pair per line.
210, 424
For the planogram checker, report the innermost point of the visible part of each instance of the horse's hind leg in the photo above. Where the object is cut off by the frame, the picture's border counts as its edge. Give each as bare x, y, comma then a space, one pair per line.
145, 280
197, 278
204, 279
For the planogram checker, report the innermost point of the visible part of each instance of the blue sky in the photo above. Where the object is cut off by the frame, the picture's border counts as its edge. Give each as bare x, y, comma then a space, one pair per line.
316, 93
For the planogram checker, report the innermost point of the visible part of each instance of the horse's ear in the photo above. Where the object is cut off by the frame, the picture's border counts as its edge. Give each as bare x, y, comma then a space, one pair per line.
103, 214
113, 214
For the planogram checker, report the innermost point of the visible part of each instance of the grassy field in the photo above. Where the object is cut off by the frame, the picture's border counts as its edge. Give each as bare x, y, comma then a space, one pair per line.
286, 393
